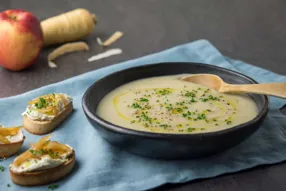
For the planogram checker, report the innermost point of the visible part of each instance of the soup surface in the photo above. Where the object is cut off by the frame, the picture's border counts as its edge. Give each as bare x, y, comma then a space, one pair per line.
168, 105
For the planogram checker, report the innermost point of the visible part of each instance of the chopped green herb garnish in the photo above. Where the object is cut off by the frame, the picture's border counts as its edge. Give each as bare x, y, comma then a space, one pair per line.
204, 99
179, 110
180, 103
192, 100
146, 117
211, 97
190, 129
190, 94
53, 186
228, 121
169, 107
41, 104
187, 115
135, 105
164, 126
8, 185
41, 152
2, 168
201, 116
142, 99
164, 92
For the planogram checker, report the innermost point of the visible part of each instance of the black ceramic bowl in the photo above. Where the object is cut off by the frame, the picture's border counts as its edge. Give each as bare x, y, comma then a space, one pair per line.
169, 146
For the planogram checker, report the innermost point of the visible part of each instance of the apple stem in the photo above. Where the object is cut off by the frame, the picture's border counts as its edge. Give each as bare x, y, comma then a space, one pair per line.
13, 17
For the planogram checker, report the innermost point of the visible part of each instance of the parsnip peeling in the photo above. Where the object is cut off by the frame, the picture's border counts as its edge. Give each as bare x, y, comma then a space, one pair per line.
52, 64
66, 48
99, 41
117, 35
105, 54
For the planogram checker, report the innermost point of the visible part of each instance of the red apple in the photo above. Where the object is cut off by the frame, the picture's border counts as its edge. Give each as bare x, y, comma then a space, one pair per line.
21, 39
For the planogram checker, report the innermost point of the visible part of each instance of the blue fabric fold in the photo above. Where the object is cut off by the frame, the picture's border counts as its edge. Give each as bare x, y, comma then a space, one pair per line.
101, 166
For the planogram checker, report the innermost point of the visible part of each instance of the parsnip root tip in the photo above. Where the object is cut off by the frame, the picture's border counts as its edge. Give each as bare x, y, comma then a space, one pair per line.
94, 19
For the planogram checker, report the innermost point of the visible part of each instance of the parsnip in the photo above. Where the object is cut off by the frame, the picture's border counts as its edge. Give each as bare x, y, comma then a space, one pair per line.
68, 27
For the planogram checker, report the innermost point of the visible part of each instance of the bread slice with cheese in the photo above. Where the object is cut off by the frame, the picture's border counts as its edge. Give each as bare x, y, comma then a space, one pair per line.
45, 162
45, 113
11, 140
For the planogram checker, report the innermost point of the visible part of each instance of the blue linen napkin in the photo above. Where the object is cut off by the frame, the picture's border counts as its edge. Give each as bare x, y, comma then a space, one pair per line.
101, 166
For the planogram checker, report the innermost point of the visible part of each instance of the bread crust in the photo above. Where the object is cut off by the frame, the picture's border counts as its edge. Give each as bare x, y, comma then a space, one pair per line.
44, 127
42, 177
8, 150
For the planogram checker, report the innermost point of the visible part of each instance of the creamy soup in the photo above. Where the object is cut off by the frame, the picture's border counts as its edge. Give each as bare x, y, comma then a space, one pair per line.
169, 105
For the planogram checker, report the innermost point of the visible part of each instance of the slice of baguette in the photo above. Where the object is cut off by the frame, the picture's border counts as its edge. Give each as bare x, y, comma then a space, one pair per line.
44, 127
10, 149
43, 176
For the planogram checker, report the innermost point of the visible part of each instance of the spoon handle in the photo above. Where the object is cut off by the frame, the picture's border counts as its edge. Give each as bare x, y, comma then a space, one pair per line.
273, 89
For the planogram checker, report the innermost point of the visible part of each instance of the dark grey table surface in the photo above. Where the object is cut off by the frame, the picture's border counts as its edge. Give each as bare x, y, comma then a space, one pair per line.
253, 31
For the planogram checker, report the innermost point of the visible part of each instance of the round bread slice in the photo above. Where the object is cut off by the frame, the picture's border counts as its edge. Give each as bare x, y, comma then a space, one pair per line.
42, 177
10, 149
44, 127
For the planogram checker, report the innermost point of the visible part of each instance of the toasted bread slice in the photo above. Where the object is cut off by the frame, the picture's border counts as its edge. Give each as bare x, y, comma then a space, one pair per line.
43, 176
44, 127
10, 149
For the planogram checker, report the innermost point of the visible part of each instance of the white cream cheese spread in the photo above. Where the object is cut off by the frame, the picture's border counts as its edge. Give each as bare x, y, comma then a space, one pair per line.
12, 137
44, 162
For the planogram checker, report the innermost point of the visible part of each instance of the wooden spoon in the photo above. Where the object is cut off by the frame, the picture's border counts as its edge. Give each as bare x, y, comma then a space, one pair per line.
215, 82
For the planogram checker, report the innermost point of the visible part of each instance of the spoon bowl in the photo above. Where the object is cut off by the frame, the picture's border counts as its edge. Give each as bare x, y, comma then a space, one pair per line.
207, 80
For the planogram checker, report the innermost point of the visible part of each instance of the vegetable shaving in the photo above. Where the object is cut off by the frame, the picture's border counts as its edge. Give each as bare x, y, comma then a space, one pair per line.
105, 54
99, 41
11, 131
66, 48
117, 35
52, 64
